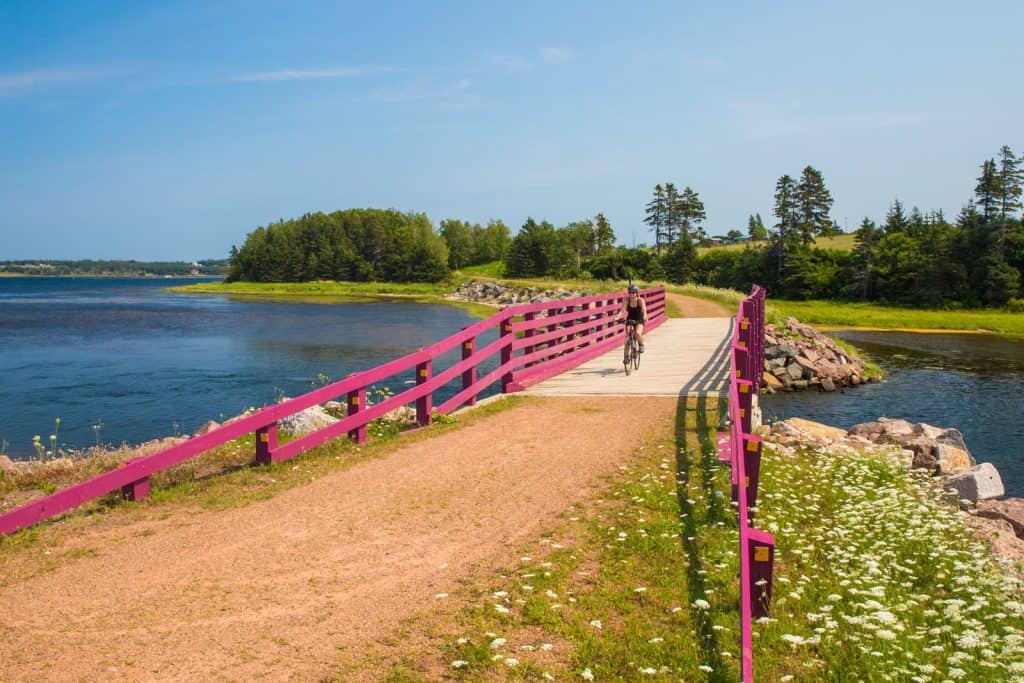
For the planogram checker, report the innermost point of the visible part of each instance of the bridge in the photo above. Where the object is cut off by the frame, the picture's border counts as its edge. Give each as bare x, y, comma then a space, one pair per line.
566, 353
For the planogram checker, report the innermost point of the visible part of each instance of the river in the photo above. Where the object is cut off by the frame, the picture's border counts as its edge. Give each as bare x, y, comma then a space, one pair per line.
141, 363
973, 382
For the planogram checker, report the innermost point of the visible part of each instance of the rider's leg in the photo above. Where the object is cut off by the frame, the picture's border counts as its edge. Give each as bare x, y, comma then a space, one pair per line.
640, 336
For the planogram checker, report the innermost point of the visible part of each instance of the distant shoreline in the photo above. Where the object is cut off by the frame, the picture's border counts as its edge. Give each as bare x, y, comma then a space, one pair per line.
112, 276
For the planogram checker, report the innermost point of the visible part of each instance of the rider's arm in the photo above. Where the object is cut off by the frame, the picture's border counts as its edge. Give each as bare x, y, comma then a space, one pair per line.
643, 308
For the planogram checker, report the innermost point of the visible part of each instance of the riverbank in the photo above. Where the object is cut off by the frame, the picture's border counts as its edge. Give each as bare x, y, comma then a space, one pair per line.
870, 316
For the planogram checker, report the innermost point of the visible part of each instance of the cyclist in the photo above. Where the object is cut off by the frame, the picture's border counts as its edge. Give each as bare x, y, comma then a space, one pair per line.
634, 310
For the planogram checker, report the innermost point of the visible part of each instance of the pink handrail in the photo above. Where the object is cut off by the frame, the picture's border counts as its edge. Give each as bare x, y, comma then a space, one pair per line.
742, 450
572, 332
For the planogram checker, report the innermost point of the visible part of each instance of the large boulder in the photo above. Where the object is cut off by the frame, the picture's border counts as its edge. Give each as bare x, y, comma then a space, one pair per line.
952, 460
1010, 510
981, 482
310, 420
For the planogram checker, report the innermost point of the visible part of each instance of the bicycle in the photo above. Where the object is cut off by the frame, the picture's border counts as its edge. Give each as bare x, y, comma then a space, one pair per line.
631, 357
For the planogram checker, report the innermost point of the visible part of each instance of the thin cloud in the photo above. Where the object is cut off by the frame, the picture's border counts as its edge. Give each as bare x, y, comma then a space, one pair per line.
35, 78
456, 94
555, 55
310, 74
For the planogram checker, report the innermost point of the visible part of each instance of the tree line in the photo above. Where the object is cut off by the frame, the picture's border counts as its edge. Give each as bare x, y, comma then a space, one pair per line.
115, 268
359, 245
910, 257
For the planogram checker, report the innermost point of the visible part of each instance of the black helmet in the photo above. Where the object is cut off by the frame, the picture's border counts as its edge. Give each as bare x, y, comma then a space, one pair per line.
632, 289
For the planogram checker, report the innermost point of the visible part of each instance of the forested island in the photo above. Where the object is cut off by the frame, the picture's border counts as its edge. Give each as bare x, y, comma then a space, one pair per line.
107, 268
913, 257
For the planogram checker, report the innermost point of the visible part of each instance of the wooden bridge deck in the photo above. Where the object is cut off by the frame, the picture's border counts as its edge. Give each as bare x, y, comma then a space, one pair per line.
683, 356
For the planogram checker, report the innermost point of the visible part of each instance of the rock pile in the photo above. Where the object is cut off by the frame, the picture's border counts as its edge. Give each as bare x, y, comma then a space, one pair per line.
493, 294
801, 357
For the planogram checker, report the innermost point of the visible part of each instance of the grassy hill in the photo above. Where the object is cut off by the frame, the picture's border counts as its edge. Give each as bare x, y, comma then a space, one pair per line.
840, 242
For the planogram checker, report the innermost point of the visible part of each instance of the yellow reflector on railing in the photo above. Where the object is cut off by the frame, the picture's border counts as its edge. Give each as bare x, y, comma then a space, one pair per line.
761, 553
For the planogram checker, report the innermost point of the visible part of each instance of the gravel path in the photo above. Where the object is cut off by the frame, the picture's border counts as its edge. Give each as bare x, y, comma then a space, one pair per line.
293, 587
692, 307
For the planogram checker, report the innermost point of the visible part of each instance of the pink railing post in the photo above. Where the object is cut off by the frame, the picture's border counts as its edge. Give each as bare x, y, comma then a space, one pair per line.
552, 312
530, 317
752, 468
469, 376
357, 403
266, 442
761, 550
506, 354
588, 316
745, 395
136, 490
424, 404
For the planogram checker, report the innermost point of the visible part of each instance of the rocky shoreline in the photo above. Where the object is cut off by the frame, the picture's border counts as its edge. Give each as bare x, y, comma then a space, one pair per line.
494, 294
941, 451
799, 357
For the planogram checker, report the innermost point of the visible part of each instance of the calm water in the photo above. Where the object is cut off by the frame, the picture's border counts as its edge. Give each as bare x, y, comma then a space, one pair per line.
148, 363
972, 382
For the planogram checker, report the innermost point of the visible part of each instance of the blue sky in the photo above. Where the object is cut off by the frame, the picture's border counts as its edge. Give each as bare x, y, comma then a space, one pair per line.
170, 130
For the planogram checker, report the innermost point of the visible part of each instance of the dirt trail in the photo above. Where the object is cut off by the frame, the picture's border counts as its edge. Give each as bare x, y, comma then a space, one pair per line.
292, 587
692, 307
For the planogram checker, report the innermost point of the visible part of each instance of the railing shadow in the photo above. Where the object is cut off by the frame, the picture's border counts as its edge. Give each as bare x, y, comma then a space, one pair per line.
696, 457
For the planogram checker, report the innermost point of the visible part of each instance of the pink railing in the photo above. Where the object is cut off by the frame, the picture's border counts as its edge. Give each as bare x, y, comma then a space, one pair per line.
742, 451
535, 341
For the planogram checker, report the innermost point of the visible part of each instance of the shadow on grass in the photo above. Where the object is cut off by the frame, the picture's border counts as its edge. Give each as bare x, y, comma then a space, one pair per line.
697, 461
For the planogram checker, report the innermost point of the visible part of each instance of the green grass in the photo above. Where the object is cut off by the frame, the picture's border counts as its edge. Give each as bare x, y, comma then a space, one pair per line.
839, 314
492, 269
840, 242
334, 292
876, 578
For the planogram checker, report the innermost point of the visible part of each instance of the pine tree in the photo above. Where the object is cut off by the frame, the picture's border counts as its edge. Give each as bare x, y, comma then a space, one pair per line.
1010, 180
987, 190
656, 214
755, 227
896, 219
814, 202
604, 236
865, 239
673, 213
691, 213
786, 211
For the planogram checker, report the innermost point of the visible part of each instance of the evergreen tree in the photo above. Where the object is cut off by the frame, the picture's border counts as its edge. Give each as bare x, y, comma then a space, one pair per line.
896, 219
755, 227
787, 211
604, 236
865, 240
1010, 180
673, 213
814, 202
691, 213
680, 260
987, 190
656, 215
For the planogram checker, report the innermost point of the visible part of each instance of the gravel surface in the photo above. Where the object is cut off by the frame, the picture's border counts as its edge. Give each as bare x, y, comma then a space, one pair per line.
294, 587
